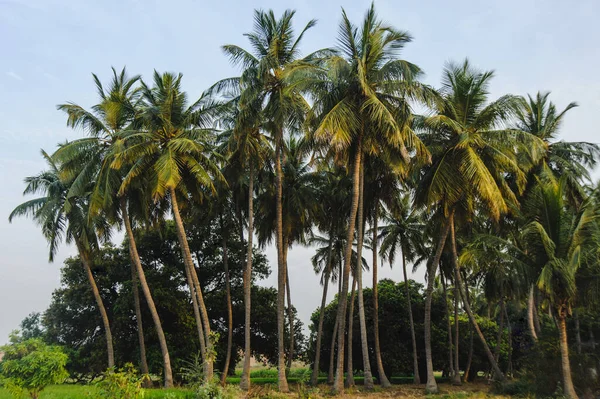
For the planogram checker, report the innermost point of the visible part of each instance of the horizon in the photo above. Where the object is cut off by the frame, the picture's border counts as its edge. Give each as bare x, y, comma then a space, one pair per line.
52, 47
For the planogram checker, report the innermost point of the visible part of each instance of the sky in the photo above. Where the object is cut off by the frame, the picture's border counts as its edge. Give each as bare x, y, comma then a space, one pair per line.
49, 48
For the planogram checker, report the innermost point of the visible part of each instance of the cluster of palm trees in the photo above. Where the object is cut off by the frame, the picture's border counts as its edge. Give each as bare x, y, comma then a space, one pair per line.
326, 143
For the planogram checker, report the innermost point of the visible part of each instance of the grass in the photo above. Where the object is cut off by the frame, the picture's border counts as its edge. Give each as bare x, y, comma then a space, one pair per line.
87, 392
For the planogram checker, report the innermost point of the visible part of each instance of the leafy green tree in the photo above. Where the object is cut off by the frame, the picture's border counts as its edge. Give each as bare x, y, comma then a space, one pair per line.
29, 366
60, 215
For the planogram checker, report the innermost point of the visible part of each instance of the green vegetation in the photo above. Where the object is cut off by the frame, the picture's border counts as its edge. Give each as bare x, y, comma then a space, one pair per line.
29, 366
325, 149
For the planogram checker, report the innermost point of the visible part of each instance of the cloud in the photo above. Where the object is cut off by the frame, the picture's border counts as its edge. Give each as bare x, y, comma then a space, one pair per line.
14, 75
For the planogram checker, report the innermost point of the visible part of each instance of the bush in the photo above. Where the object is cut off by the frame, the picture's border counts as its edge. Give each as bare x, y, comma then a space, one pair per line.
124, 383
29, 366
215, 391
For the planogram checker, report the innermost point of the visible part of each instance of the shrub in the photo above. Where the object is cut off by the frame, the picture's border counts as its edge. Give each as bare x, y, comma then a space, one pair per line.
124, 383
215, 391
29, 366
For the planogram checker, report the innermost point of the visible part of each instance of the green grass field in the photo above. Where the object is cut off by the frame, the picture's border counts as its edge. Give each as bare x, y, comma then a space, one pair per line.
87, 392
264, 377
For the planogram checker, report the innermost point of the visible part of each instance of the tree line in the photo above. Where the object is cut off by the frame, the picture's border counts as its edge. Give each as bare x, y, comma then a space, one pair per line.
327, 149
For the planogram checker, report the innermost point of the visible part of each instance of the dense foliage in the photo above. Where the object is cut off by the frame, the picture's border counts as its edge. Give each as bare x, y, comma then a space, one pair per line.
30, 365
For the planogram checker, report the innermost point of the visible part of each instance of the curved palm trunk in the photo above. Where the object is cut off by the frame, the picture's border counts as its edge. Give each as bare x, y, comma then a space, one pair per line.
368, 377
448, 325
431, 385
343, 302
197, 316
135, 260
530, 314
281, 272
245, 381
456, 377
140, 326
189, 263
350, 341
87, 267
417, 377
486, 347
314, 378
383, 380
229, 313
568, 388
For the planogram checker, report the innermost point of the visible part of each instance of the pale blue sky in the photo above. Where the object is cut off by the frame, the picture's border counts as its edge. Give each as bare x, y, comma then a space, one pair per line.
48, 48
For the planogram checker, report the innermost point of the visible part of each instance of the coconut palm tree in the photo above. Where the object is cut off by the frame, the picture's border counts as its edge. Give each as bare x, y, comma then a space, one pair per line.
563, 239
382, 187
361, 106
300, 206
333, 207
246, 149
105, 125
539, 116
404, 232
275, 49
170, 155
473, 152
61, 216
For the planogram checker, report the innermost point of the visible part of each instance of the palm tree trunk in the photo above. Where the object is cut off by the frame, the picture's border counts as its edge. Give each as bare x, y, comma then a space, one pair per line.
229, 312
568, 388
331, 374
536, 316
431, 385
486, 347
197, 316
368, 377
281, 272
87, 267
343, 297
530, 314
456, 377
383, 380
189, 263
509, 367
245, 381
135, 260
314, 378
577, 333
500, 330
417, 377
448, 324
140, 327
350, 341
470, 354
290, 312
